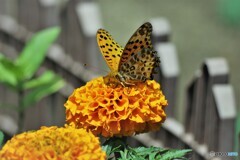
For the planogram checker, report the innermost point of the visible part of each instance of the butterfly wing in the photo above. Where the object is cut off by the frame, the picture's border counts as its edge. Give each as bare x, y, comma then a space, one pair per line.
140, 66
110, 49
138, 59
139, 40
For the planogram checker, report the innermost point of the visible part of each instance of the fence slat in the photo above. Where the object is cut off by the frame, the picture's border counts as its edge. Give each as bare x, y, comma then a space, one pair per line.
169, 66
217, 72
169, 72
190, 106
161, 30
225, 107
90, 21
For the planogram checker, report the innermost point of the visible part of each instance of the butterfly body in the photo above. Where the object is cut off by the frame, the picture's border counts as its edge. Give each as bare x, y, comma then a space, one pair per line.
135, 63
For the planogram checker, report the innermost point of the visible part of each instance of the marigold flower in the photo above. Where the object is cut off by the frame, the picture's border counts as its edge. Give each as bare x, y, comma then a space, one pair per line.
116, 111
52, 143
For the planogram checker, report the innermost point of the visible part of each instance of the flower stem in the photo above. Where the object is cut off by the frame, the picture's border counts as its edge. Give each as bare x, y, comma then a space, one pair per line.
21, 113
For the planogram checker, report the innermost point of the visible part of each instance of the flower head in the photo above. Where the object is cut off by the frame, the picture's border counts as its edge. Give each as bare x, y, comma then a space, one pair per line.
116, 111
52, 143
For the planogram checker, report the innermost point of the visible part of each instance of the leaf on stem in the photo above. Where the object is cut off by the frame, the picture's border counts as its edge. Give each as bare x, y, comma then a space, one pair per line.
42, 90
35, 51
45, 78
8, 72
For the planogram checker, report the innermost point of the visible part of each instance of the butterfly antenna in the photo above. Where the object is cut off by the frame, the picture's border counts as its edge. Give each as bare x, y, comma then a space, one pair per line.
94, 68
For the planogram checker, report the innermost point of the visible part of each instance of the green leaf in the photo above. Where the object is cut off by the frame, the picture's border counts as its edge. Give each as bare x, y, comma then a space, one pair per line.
122, 151
107, 149
45, 78
1, 138
42, 91
174, 153
35, 51
114, 144
152, 153
8, 72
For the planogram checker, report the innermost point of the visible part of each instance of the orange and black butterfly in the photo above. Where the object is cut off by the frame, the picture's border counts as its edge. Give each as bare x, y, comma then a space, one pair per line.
134, 63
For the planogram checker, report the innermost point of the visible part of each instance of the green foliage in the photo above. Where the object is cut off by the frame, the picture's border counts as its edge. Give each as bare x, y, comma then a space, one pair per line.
152, 153
8, 72
113, 145
19, 74
35, 51
45, 85
123, 152
1, 138
15, 73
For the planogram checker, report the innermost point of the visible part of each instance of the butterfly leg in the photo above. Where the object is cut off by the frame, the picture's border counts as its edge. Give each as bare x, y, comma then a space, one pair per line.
122, 84
126, 84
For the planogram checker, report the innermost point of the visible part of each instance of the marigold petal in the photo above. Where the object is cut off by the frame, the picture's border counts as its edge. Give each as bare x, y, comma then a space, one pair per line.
116, 111
52, 143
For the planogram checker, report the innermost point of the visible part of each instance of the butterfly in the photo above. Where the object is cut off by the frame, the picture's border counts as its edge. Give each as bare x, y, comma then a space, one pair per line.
132, 64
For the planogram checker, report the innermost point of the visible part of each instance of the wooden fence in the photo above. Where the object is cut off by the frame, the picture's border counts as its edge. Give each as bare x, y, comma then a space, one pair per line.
210, 108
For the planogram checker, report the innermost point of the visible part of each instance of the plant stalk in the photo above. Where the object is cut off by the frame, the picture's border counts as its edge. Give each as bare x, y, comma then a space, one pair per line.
21, 113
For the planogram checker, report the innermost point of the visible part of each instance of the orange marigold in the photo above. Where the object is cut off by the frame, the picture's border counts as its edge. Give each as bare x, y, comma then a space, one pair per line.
116, 111
52, 143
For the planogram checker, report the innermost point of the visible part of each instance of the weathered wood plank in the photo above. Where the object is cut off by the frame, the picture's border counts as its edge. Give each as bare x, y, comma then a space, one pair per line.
225, 117
161, 30
169, 72
217, 72
169, 66
190, 106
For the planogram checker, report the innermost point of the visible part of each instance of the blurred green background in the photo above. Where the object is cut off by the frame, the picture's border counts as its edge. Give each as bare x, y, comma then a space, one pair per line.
200, 29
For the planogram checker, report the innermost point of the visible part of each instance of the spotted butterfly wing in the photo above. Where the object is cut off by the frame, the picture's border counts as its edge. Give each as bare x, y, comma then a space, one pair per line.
138, 59
140, 66
110, 49
139, 40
